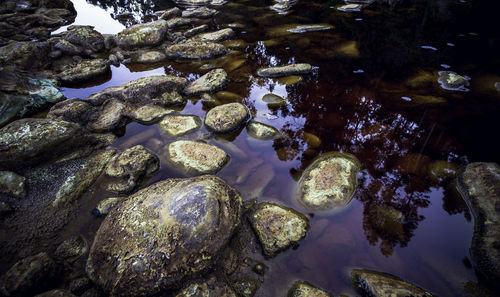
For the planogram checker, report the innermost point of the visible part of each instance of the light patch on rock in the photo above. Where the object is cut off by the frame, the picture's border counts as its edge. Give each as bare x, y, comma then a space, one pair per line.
197, 157
177, 125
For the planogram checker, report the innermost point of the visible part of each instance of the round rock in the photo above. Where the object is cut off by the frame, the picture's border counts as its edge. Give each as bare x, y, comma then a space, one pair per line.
146, 34
196, 157
213, 81
226, 118
162, 234
178, 125
329, 182
262, 131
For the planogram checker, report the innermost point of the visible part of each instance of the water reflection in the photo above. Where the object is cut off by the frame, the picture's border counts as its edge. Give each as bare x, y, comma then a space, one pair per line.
130, 12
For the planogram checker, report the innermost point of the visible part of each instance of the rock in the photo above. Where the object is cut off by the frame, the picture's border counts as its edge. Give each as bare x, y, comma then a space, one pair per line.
149, 113
177, 22
228, 96
75, 184
290, 80
285, 70
227, 117
479, 184
80, 285
413, 163
278, 227
210, 288
379, 284
178, 125
130, 167
234, 64
56, 293
440, 171
310, 28
197, 157
72, 249
12, 184
85, 37
26, 55
350, 7
312, 140
213, 81
68, 48
170, 13
188, 220
29, 276
196, 50
262, 131
4, 209
288, 29
305, 289
193, 31
30, 141
147, 34
105, 206
199, 12
150, 57
216, 36
84, 71
450, 80
246, 287
329, 182
348, 49
274, 101
196, 2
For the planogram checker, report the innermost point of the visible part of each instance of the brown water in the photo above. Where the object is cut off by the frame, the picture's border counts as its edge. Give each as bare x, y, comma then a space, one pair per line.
356, 101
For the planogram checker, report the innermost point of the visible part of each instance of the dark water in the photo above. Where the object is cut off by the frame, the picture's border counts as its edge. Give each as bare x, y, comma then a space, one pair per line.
358, 101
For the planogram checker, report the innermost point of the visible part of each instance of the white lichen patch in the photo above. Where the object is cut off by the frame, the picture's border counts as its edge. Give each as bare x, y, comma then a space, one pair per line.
180, 124
198, 157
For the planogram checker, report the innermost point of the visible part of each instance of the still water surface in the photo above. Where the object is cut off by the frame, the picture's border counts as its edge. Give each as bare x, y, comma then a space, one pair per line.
359, 100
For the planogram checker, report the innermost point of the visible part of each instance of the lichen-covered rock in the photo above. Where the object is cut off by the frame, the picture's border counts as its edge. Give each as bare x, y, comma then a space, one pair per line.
85, 37
379, 284
195, 30
177, 125
227, 117
105, 206
196, 157
274, 101
149, 113
211, 82
12, 183
196, 50
80, 285
287, 70
329, 182
150, 57
26, 55
56, 293
262, 131
178, 22
29, 275
440, 171
209, 288
305, 289
216, 36
72, 249
163, 234
130, 167
147, 34
169, 13
278, 227
199, 12
450, 80
479, 184
310, 28
84, 71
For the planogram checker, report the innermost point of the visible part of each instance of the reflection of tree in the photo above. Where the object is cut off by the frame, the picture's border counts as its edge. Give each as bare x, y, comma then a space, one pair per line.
129, 12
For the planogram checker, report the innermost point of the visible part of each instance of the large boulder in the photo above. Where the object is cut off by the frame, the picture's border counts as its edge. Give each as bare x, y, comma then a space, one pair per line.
211, 82
163, 234
196, 50
329, 182
85, 37
479, 184
147, 34
227, 117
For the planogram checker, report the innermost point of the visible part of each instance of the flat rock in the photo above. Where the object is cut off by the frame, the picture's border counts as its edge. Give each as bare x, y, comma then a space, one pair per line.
450, 80
288, 70
212, 81
329, 182
84, 71
379, 284
479, 184
147, 34
177, 125
309, 28
305, 289
11, 183
193, 31
85, 37
150, 57
209, 288
350, 7
130, 167
216, 36
196, 50
262, 131
227, 117
199, 12
196, 157
149, 113
189, 220
274, 101
170, 13
278, 227
72, 249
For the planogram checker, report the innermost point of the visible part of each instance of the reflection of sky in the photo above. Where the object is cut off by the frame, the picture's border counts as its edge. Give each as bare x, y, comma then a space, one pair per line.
95, 16
120, 76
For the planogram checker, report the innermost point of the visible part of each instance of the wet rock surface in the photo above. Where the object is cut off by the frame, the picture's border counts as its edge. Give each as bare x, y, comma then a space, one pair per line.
262, 131
375, 283
450, 80
226, 118
305, 289
140, 35
199, 12
56, 293
105, 206
216, 36
329, 182
278, 227
72, 249
281, 71
196, 50
12, 183
193, 157
211, 82
210, 288
274, 101
85, 71
189, 220
130, 167
177, 125
479, 184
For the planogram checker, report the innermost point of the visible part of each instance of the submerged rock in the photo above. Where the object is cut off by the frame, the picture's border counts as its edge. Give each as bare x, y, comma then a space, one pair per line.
387, 220
105, 206
29, 275
278, 227
178, 125
285, 70
84, 71
309, 28
274, 101
440, 171
450, 80
227, 117
329, 182
479, 184
290, 80
196, 50
199, 12
379, 284
262, 131
197, 157
216, 36
130, 167
213, 81
289, 29
72, 249
12, 184
188, 220
210, 288
147, 34
305, 289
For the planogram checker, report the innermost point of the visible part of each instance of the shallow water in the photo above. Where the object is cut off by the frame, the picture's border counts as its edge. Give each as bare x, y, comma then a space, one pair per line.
357, 101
